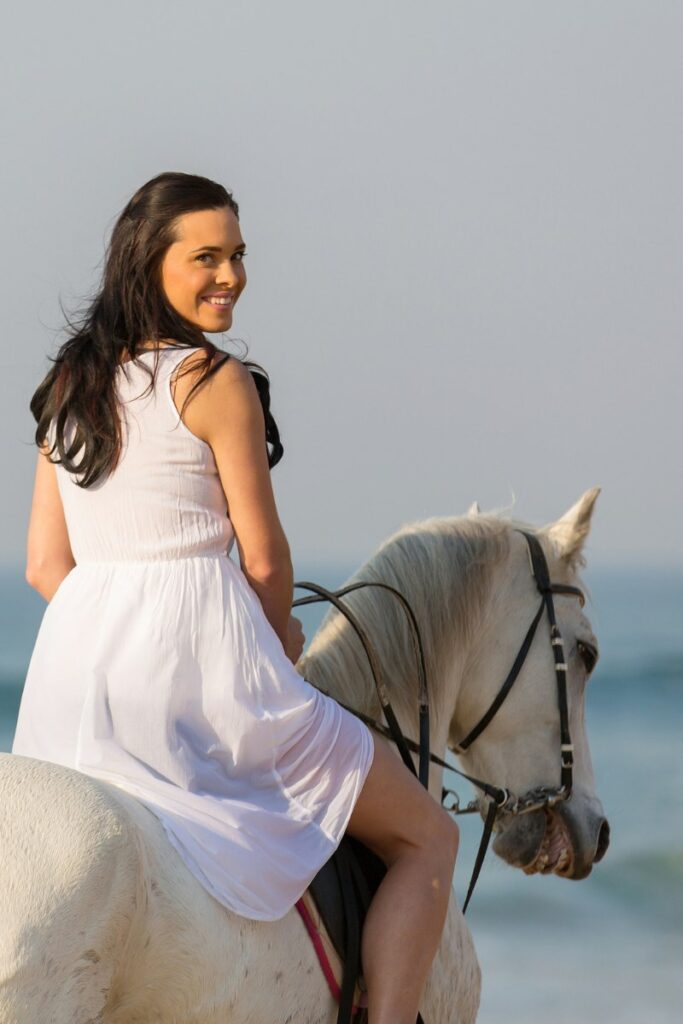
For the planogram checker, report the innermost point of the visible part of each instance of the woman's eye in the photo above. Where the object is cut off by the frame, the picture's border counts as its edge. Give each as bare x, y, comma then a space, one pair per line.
203, 255
588, 655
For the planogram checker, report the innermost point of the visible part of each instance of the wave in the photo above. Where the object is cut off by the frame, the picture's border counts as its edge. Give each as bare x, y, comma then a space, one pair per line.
650, 670
647, 883
10, 696
633, 888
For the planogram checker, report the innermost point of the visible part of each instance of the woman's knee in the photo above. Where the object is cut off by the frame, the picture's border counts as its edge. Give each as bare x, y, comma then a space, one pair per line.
440, 832
435, 839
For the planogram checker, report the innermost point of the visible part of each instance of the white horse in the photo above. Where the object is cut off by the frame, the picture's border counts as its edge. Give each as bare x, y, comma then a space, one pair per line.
102, 923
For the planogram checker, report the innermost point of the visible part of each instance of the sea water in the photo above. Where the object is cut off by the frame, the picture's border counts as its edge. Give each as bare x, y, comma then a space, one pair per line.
607, 949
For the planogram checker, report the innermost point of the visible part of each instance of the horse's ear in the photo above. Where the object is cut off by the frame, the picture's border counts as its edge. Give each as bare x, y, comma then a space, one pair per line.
569, 533
474, 509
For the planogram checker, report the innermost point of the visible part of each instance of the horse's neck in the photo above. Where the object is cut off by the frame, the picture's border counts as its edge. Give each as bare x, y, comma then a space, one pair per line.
448, 606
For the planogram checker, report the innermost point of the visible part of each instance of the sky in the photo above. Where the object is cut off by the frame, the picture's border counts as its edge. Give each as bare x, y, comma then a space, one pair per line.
464, 230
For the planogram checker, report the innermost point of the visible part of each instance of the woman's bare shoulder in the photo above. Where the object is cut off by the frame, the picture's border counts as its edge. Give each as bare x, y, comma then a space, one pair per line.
229, 389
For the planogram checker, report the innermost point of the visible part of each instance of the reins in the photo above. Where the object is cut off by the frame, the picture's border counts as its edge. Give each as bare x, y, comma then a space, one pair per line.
502, 800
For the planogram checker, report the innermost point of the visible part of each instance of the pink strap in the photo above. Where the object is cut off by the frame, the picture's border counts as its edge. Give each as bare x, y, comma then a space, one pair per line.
320, 950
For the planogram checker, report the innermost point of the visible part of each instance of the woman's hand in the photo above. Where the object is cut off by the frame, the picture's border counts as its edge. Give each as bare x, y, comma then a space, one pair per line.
295, 639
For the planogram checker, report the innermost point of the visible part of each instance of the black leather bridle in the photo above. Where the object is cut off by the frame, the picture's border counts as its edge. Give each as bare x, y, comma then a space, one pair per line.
501, 799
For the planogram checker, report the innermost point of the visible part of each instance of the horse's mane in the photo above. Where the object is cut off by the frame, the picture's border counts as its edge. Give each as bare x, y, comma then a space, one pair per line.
443, 566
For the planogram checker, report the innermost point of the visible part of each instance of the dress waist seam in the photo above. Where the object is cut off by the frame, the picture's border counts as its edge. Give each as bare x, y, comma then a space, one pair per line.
150, 561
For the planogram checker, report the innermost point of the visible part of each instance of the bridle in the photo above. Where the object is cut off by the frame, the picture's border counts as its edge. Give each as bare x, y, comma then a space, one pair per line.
501, 799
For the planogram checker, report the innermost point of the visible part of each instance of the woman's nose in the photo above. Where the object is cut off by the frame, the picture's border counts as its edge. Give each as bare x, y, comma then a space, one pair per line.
227, 275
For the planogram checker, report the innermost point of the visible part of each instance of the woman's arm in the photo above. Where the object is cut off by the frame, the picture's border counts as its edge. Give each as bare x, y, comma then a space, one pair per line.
227, 413
49, 557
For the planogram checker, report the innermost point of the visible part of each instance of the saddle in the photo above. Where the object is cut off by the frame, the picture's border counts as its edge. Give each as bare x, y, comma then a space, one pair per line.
342, 891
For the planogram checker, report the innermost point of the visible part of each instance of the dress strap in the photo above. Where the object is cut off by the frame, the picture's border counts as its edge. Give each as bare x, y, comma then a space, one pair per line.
173, 360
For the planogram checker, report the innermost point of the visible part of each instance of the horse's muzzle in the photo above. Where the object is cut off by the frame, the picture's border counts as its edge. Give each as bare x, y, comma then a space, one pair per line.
562, 841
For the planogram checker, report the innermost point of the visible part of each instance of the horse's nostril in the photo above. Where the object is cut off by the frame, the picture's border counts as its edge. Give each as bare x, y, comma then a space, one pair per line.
603, 841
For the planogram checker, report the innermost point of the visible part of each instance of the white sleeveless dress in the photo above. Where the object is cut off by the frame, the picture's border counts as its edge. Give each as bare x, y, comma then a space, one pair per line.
156, 669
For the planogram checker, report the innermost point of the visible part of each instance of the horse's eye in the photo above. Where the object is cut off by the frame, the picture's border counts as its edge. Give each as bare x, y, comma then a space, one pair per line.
588, 655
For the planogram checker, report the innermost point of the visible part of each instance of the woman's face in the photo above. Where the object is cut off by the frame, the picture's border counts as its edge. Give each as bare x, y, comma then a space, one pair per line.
202, 272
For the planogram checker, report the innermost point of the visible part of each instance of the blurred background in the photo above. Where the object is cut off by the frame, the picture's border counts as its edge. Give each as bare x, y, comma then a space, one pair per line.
463, 224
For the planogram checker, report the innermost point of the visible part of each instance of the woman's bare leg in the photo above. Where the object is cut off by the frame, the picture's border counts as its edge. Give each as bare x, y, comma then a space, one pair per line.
399, 821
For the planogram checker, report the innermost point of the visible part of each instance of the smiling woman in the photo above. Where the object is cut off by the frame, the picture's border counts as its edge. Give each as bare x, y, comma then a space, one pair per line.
163, 667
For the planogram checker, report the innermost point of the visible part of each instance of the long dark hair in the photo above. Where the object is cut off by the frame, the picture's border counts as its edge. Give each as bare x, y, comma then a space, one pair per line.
130, 307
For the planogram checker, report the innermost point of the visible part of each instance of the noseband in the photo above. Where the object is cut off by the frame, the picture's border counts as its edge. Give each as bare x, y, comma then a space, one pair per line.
501, 799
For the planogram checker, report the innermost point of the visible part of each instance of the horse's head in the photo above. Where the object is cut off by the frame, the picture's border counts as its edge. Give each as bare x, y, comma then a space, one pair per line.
520, 747
469, 581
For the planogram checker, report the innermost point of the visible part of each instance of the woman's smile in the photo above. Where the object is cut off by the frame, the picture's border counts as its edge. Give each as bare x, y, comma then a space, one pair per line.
220, 302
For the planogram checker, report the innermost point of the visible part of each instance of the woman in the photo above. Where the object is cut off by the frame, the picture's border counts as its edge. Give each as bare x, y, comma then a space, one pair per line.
163, 667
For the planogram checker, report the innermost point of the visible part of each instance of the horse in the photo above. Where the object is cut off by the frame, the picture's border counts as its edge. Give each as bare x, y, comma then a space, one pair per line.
103, 923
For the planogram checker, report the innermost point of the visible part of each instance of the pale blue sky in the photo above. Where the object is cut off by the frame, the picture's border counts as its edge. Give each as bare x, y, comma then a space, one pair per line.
464, 225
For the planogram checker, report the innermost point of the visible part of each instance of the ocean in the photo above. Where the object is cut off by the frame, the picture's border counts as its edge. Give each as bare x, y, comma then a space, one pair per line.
608, 949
